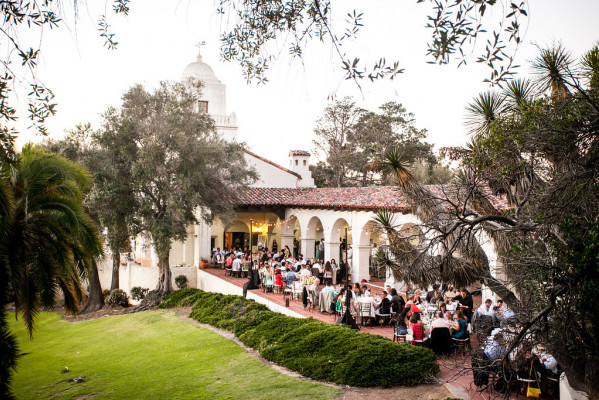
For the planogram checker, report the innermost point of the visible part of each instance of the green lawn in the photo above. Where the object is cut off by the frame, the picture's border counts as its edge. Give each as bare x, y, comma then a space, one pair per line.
149, 355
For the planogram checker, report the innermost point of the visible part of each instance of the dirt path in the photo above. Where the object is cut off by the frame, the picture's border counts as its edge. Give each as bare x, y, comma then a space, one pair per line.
436, 391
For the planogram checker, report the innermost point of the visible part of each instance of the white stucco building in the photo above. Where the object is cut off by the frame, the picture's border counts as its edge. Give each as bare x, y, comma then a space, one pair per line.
282, 208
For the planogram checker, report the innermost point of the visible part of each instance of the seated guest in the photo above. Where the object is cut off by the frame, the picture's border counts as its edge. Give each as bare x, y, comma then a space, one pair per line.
404, 320
450, 294
417, 327
486, 309
460, 326
440, 322
442, 307
305, 271
327, 275
436, 298
430, 293
417, 297
397, 302
278, 278
384, 306
365, 290
290, 277
494, 349
411, 303
236, 266
328, 288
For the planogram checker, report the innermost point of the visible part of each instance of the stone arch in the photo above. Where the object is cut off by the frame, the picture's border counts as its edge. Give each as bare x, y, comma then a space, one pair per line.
366, 233
336, 232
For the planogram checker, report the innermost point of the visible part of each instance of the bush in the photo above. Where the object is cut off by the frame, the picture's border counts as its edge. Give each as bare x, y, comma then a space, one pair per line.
181, 281
105, 293
117, 297
314, 349
138, 293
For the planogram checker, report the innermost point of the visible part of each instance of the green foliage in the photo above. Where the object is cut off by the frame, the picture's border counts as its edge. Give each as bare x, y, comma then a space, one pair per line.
117, 298
105, 293
138, 293
349, 138
9, 355
181, 281
314, 349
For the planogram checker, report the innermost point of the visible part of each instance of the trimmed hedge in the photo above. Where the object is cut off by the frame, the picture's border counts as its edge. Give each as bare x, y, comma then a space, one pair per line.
315, 349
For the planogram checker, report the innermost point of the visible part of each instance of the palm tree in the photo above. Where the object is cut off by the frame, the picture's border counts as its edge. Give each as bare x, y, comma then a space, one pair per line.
483, 110
552, 67
518, 93
590, 66
47, 241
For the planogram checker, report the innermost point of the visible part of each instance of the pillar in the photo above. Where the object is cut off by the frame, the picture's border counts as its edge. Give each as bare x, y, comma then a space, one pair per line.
286, 240
205, 231
196, 245
307, 248
331, 251
360, 264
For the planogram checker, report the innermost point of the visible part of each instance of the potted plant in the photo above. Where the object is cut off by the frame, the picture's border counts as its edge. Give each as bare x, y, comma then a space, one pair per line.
204, 262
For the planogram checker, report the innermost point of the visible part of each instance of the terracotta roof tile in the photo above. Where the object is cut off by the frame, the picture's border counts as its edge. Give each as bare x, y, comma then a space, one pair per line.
355, 198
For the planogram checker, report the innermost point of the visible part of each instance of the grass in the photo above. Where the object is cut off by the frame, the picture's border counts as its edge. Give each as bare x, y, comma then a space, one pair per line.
148, 355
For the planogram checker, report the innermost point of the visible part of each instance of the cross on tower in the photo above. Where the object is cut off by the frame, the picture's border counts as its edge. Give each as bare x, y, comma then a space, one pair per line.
199, 46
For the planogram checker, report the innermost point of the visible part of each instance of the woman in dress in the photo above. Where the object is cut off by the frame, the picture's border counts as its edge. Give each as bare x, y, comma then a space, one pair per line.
327, 275
460, 326
335, 268
417, 327
404, 321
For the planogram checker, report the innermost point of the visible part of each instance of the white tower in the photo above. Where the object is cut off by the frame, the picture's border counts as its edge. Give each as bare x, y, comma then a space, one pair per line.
299, 162
214, 98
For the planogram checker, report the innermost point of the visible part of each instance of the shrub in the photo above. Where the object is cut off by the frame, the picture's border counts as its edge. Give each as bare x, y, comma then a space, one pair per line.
314, 349
181, 281
105, 293
138, 293
180, 298
117, 297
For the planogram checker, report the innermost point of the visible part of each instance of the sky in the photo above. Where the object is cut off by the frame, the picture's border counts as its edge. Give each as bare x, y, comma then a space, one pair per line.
158, 39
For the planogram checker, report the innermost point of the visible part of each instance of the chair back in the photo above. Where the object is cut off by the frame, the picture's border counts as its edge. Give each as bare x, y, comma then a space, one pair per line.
440, 341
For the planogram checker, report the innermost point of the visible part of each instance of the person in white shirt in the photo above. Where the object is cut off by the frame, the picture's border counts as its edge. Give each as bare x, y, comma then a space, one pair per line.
486, 309
317, 265
305, 271
236, 264
440, 322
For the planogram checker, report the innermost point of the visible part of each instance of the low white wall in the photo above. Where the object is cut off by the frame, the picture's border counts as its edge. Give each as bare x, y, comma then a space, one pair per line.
211, 283
133, 275
566, 392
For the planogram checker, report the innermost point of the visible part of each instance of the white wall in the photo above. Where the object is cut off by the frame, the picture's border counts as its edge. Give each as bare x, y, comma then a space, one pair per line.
269, 175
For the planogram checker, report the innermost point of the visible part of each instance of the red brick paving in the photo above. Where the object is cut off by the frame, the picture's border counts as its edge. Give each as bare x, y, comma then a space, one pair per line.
454, 369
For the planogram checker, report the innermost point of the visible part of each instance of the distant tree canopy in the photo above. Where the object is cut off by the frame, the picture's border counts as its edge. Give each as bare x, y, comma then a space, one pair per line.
349, 137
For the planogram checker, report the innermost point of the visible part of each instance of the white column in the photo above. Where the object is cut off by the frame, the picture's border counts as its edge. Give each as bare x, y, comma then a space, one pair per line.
307, 248
196, 245
360, 266
204, 236
331, 251
286, 240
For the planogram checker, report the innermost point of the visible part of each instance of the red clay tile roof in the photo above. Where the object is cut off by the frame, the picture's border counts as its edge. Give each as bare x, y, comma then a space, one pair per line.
274, 164
299, 153
354, 198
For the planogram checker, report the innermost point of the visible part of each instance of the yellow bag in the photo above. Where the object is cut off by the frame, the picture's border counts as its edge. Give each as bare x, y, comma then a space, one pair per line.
531, 391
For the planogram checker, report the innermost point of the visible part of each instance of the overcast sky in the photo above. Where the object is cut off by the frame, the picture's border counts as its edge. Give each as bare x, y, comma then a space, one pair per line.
158, 40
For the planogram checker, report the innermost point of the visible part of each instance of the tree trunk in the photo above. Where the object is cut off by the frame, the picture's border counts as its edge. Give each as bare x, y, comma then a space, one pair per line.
116, 265
95, 298
165, 285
